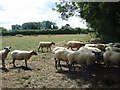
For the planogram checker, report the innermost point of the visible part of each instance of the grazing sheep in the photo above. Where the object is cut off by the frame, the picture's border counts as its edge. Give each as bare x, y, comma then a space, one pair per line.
61, 55
45, 44
81, 57
111, 57
75, 44
116, 49
22, 55
3, 55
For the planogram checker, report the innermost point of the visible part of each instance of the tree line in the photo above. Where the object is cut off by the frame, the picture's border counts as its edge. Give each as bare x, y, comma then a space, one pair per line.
66, 29
35, 25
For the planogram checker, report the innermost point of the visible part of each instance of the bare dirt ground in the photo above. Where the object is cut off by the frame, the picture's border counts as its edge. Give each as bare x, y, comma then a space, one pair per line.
42, 74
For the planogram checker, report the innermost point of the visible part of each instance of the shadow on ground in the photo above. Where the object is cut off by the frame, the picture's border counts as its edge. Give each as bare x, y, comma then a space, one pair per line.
22, 67
96, 77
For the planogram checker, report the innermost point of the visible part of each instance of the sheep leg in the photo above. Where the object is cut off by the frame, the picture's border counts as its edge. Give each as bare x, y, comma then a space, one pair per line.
47, 49
42, 49
38, 48
14, 63
59, 65
68, 47
71, 48
26, 63
50, 50
3, 63
70, 66
55, 63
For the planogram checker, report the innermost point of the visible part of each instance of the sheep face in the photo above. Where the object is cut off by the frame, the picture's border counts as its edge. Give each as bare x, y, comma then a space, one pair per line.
53, 43
33, 53
7, 49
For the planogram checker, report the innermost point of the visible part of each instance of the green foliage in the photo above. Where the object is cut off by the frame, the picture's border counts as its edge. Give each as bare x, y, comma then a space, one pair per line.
35, 25
64, 30
16, 27
102, 17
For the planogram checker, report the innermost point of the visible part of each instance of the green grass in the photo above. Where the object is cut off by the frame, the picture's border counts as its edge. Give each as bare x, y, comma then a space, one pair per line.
31, 42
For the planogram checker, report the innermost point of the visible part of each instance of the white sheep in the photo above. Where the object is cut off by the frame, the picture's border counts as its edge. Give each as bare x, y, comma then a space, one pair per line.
58, 48
117, 45
81, 57
112, 49
98, 53
45, 44
111, 57
22, 55
61, 55
99, 46
3, 55
109, 44
75, 44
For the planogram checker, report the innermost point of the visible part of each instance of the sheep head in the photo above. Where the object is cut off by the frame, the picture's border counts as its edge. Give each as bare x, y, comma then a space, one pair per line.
33, 52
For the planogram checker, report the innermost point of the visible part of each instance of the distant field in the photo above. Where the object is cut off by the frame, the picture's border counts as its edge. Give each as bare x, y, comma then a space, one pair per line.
31, 42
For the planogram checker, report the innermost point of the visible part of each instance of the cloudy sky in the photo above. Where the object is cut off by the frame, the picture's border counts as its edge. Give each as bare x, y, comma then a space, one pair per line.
20, 11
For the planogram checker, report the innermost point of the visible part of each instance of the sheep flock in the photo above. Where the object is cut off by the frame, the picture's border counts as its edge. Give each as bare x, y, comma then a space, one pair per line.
84, 54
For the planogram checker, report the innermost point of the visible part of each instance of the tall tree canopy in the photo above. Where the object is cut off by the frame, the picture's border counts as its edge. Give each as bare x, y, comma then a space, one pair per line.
103, 17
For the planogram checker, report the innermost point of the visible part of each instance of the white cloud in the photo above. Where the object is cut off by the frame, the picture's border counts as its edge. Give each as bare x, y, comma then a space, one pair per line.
21, 11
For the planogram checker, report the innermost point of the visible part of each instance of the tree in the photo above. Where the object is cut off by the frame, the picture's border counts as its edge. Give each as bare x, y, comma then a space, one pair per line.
29, 25
3, 29
16, 27
103, 17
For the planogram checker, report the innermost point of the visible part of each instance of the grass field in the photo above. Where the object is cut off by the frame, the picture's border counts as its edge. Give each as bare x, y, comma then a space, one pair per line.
41, 72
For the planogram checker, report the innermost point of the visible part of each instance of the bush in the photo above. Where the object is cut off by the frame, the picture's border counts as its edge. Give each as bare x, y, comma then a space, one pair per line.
39, 32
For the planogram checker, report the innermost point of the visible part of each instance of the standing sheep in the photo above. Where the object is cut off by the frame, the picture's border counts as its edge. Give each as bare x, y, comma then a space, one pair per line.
98, 53
22, 55
81, 57
58, 48
99, 46
3, 55
116, 49
75, 44
61, 55
117, 45
45, 44
111, 57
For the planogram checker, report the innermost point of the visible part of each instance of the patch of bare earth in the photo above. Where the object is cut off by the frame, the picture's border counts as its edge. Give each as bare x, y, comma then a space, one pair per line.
42, 74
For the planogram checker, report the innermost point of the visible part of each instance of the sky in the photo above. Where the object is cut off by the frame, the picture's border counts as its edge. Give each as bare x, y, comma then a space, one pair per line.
14, 12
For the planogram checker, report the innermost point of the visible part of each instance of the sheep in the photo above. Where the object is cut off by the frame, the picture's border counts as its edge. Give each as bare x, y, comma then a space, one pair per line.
81, 57
3, 55
58, 48
22, 55
98, 53
61, 55
112, 49
117, 45
110, 44
111, 57
75, 44
99, 46
45, 44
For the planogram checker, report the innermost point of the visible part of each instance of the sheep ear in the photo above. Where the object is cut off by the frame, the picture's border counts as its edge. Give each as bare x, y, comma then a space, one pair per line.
93, 52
